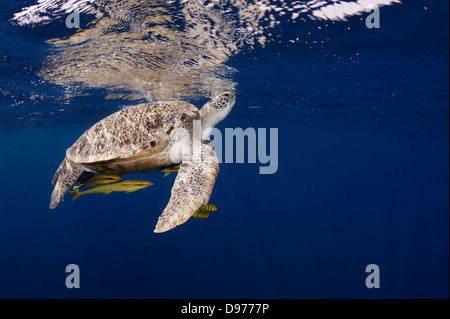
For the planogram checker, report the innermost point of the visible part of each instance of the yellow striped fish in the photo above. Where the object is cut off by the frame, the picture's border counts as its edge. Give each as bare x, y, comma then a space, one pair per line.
203, 211
201, 214
209, 207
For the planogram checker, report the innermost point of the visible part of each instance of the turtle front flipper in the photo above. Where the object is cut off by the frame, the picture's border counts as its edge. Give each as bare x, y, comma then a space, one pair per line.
65, 177
192, 188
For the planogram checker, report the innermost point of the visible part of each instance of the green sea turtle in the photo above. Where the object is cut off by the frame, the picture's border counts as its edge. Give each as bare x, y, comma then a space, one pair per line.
152, 136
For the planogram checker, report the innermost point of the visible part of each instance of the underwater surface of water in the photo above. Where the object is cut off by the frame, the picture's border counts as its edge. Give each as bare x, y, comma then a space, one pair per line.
362, 153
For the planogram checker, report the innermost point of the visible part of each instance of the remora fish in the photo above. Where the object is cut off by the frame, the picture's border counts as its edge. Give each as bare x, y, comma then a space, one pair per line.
167, 170
171, 169
101, 179
127, 186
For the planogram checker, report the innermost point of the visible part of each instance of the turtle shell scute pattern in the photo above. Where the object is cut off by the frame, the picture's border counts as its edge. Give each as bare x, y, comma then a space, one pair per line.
131, 131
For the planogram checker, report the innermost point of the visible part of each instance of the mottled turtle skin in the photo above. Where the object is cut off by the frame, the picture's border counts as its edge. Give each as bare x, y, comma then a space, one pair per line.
140, 139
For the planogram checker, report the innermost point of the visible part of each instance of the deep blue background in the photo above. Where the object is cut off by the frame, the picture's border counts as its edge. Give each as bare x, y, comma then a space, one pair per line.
363, 175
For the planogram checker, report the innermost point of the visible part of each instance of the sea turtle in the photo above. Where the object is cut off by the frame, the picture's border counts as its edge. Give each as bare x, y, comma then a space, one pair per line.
152, 136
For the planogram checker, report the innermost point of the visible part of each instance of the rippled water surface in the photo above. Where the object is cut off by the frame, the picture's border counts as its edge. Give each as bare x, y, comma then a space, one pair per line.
362, 119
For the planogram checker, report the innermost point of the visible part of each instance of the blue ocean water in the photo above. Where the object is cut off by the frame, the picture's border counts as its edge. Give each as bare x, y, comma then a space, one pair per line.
363, 171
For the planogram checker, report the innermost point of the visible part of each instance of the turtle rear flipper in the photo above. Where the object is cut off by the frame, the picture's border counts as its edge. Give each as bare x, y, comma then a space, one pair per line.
192, 189
59, 171
67, 175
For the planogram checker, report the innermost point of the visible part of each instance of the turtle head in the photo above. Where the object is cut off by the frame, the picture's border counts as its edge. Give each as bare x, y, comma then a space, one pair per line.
215, 111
